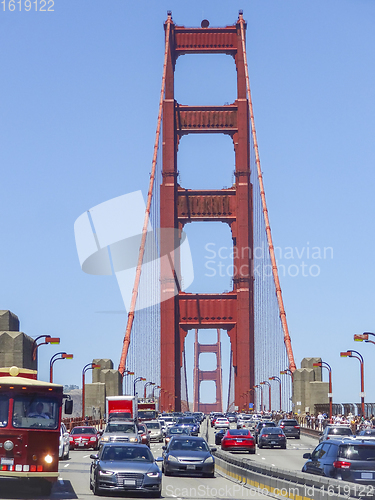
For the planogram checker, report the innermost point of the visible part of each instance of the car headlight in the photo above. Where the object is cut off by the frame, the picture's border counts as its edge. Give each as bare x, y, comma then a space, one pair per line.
93, 439
106, 473
153, 474
209, 460
133, 440
171, 458
105, 438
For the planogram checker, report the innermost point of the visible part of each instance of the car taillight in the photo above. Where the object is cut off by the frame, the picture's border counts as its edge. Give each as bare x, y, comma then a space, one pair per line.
281, 435
341, 465
265, 435
282, 426
296, 426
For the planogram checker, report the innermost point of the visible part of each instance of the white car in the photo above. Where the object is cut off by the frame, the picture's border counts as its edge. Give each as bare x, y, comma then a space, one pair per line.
64, 443
222, 423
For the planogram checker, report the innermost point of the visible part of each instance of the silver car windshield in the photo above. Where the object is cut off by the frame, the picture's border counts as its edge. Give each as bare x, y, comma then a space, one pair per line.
127, 428
153, 425
189, 444
127, 453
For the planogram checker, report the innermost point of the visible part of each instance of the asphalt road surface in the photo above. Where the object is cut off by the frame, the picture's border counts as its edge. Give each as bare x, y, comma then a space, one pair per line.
289, 459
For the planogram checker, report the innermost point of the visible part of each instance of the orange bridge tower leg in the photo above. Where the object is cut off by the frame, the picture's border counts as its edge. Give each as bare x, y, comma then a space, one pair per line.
232, 311
214, 375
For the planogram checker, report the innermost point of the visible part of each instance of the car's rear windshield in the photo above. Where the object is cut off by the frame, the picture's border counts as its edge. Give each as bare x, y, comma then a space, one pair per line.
357, 452
272, 430
238, 432
340, 431
289, 422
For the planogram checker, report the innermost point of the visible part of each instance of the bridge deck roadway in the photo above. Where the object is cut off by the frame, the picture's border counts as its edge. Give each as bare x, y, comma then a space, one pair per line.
289, 459
74, 477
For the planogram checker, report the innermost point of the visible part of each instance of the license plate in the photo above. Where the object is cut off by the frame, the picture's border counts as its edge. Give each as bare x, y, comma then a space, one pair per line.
7, 461
81, 444
366, 475
129, 482
273, 442
239, 440
191, 467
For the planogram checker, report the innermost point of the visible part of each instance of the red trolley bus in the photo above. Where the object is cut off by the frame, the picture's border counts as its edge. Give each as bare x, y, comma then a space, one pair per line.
30, 417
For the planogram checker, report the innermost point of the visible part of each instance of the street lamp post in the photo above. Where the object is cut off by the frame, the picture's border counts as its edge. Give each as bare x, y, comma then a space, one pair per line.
64, 355
287, 372
261, 396
154, 389
138, 379
323, 364
89, 366
349, 354
278, 379
269, 393
47, 340
364, 337
145, 387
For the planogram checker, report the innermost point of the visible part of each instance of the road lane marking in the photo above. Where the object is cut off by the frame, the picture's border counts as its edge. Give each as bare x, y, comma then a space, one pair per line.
86, 456
66, 465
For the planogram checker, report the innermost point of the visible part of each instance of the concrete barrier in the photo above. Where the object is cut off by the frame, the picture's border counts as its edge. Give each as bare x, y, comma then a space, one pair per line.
310, 432
286, 484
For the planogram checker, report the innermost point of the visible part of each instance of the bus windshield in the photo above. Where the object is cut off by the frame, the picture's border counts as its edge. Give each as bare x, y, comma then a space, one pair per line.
4, 406
35, 411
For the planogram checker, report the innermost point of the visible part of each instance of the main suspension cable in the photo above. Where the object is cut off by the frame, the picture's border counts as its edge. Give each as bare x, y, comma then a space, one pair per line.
275, 273
133, 302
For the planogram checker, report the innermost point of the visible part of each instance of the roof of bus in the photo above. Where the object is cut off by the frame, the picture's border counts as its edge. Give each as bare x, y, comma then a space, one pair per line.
27, 382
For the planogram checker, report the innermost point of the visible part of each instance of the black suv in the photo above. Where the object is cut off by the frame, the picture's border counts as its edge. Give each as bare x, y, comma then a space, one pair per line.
347, 459
291, 427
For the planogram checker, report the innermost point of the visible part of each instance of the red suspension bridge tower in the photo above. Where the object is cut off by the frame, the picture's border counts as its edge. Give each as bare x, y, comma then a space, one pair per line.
232, 311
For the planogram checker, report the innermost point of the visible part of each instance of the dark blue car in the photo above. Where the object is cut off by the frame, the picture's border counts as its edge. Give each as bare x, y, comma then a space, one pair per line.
347, 459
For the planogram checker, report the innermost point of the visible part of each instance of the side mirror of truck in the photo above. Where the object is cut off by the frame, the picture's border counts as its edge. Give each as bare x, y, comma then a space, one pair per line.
68, 407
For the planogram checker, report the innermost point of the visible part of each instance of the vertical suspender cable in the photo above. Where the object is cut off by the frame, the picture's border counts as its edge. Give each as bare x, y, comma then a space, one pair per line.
129, 324
275, 273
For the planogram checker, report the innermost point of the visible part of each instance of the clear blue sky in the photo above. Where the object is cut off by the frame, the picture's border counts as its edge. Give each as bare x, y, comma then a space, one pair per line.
80, 89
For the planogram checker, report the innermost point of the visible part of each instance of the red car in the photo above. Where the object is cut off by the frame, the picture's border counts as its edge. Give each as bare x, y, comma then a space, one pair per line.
145, 435
238, 440
83, 437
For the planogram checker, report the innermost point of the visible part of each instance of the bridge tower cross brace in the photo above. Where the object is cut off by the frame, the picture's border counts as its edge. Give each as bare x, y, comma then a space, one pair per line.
232, 311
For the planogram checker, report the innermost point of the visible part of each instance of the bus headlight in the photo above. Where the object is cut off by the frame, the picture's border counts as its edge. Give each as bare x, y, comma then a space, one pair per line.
8, 445
48, 459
